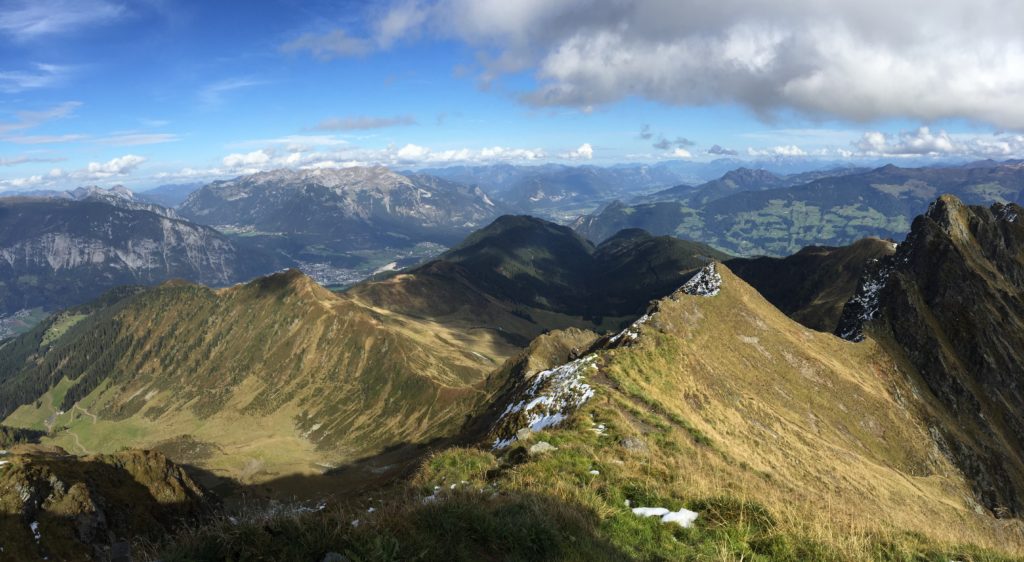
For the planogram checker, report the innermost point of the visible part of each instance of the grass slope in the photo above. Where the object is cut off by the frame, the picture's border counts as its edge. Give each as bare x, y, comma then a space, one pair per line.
790, 445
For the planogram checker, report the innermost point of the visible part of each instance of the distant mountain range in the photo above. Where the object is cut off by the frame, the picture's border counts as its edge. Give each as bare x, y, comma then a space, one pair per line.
557, 191
59, 252
749, 212
168, 195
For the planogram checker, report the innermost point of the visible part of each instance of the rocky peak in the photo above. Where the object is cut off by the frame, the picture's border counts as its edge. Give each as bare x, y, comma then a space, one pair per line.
951, 299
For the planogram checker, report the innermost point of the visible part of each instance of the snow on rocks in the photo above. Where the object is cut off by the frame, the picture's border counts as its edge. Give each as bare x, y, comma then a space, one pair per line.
632, 333
863, 307
684, 517
35, 530
706, 283
551, 396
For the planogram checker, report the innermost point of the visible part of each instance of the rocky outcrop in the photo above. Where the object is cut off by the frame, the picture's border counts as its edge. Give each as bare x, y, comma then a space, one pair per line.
58, 506
952, 300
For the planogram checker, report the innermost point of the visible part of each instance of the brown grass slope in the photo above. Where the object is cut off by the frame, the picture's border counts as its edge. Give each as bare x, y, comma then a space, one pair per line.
789, 443
259, 380
725, 395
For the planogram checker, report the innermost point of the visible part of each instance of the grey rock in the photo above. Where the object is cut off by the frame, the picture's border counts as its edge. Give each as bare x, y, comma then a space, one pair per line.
542, 447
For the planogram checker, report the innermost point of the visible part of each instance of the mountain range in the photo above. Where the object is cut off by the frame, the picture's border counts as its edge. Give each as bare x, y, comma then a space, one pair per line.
60, 252
756, 213
527, 381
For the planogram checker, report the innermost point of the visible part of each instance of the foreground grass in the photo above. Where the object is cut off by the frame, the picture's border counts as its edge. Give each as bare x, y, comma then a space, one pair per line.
469, 504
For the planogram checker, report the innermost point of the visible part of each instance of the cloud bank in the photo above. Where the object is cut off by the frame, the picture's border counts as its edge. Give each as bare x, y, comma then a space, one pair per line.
859, 60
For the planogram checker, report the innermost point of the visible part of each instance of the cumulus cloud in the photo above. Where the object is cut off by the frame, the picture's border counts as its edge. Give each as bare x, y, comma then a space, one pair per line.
923, 59
790, 150
584, 152
119, 166
925, 142
363, 123
252, 159
682, 153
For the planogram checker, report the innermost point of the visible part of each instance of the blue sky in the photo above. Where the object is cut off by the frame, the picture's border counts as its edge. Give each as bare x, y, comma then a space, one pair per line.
143, 92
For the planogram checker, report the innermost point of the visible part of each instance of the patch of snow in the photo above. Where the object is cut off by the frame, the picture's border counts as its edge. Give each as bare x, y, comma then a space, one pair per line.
4, 462
552, 394
683, 517
650, 511
355, 522
632, 333
706, 283
35, 530
863, 307
371, 510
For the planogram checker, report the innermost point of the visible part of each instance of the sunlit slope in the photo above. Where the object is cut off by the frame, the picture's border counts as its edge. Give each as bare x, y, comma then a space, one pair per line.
726, 397
273, 377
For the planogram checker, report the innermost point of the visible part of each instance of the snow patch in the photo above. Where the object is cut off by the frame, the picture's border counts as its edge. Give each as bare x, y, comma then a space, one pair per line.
684, 517
706, 283
632, 333
35, 530
550, 398
863, 307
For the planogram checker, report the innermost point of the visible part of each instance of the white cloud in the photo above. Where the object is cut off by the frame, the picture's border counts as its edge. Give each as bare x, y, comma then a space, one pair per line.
681, 153
784, 151
851, 59
256, 159
584, 152
924, 142
119, 166
30, 19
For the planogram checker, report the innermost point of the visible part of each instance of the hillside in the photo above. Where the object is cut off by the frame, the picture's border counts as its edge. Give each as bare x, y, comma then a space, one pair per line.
258, 381
834, 210
715, 413
56, 253
814, 284
950, 302
528, 275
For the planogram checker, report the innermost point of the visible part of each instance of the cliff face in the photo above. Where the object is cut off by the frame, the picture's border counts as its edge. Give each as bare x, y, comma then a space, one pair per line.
56, 253
951, 301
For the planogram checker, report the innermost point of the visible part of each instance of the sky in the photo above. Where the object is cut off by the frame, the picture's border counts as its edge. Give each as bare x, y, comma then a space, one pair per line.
149, 92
